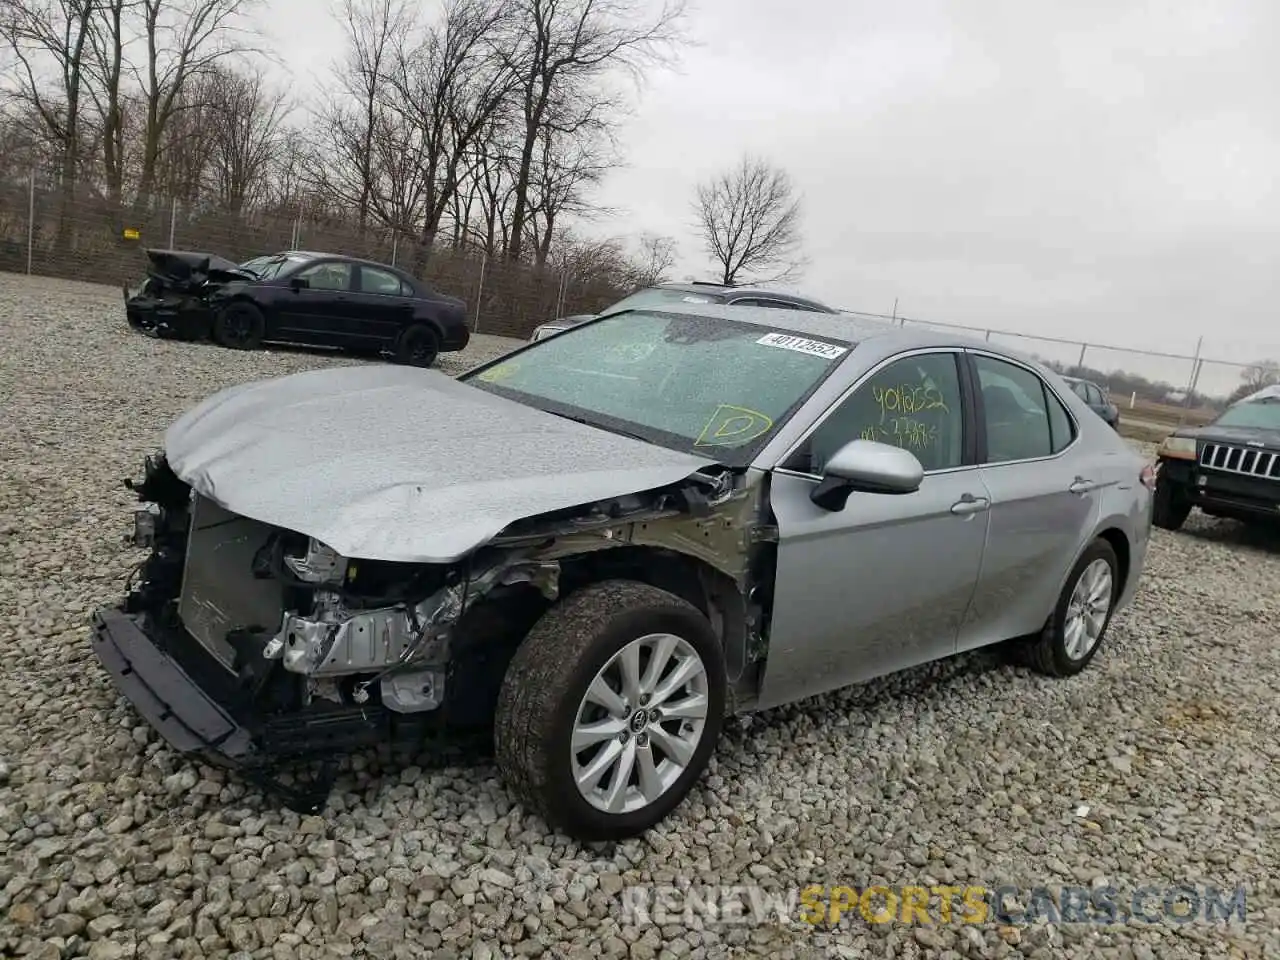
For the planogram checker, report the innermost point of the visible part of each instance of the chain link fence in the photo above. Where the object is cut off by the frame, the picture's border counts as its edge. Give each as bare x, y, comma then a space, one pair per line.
1191, 384
83, 235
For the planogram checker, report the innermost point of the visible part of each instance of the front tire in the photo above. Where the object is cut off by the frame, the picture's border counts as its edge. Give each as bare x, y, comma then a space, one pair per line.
239, 326
1170, 507
1074, 631
610, 710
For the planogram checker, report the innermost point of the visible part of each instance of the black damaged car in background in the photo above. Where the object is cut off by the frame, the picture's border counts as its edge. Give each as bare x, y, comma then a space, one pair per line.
296, 297
1229, 468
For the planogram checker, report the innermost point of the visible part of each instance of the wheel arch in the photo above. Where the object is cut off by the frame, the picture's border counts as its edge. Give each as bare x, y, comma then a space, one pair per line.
1119, 541
710, 590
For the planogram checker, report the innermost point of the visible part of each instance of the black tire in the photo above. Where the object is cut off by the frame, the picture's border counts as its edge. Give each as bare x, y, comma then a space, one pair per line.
1047, 652
545, 686
1170, 507
419, 346
239, 326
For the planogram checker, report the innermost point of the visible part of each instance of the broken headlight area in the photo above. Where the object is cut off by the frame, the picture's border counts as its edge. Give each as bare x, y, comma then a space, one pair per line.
169, 314
254, 645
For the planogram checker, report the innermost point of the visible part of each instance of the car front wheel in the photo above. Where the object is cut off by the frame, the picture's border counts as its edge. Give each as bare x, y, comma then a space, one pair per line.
1170, 506
610, 709
239, 326
1074, 631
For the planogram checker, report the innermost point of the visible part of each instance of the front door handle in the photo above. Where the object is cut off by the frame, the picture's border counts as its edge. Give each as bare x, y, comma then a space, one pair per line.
970, 504
1081, 485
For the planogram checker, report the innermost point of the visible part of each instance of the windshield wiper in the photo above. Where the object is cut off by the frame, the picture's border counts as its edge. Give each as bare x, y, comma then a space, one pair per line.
601, 426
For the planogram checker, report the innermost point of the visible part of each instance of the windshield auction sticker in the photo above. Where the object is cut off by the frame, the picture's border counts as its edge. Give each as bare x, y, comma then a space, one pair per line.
815, 348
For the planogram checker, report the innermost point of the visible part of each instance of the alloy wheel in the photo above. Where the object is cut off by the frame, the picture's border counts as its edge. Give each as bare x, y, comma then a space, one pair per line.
639, 724
1088, 609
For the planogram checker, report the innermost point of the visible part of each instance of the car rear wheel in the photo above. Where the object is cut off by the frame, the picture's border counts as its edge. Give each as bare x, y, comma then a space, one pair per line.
1170, 507
1074, 631
610, 710
239, 326
419, 346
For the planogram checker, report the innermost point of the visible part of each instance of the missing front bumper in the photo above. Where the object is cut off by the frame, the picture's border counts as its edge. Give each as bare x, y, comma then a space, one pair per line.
196, 725
164, 694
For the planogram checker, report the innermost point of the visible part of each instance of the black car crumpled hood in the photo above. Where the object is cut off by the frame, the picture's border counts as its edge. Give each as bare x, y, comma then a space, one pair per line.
188, 266
399, 463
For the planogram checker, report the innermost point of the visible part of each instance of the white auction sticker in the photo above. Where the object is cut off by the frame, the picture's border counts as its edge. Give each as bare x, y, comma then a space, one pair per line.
814, 348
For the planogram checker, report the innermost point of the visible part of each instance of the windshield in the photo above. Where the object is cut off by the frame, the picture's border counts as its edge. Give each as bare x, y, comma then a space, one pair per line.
268, 267
1264, 414
655, 297
698, 384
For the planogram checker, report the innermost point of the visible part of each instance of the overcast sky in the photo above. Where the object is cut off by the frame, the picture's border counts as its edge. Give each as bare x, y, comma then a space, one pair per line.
1102, 169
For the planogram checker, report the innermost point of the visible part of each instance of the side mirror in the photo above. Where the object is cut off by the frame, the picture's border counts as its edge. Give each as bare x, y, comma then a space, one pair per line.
867, 466
299, 283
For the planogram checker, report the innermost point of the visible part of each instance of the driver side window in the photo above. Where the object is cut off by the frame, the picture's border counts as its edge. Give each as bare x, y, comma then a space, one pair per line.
327, 276
913, 403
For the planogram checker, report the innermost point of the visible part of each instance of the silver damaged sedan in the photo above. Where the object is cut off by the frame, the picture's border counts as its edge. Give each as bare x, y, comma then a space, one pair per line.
592, 550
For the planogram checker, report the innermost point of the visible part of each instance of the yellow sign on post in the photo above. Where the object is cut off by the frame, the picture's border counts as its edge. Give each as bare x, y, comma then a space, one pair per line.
132, 233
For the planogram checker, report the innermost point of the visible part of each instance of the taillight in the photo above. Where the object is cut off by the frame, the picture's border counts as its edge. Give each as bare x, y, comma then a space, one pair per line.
1148, 476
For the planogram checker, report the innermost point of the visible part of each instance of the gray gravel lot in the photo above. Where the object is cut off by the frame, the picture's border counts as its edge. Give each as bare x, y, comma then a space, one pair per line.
1156, 767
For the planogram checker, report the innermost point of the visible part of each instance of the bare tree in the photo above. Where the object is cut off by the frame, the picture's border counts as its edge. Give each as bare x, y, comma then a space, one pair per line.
184, 39
107, 38
246, 136
657, 256
51, 36
749, 218
563, 51
570, 159
346, 162
1264, 373
446, 90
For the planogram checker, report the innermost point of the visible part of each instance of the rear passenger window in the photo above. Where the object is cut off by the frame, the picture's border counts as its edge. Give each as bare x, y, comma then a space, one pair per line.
1016, 410
379, 281
1061, 430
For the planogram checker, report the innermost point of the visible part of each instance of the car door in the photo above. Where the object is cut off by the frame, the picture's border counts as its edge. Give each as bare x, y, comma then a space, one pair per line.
318, 312
382, 308
1044, 502
883, 583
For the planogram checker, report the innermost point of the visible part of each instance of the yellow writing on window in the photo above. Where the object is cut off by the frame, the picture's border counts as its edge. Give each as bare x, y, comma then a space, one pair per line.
730, 425
903, 432
907, 400
501, 372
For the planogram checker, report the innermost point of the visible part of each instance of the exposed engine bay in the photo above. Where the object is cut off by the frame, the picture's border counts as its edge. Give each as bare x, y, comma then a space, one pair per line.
310, 652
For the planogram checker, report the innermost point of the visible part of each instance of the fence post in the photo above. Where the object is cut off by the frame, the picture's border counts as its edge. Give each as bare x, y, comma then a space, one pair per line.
31, 219
395, 236
173, 221
1195, 374
480, 290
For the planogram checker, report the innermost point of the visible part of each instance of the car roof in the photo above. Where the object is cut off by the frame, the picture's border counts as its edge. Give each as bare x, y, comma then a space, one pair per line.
322, 255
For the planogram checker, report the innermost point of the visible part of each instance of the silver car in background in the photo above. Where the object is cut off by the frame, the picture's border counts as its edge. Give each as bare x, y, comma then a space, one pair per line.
601, 544
693, 291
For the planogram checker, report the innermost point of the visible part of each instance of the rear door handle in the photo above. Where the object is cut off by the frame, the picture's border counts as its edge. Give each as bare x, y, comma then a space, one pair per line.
970, 504
1081, 485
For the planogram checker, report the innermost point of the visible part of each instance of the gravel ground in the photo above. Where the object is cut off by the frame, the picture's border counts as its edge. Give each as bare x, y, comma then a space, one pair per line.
1156, 767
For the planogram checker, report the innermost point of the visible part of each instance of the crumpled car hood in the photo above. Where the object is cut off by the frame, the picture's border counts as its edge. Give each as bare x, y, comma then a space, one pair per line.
189, 266
384, 462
